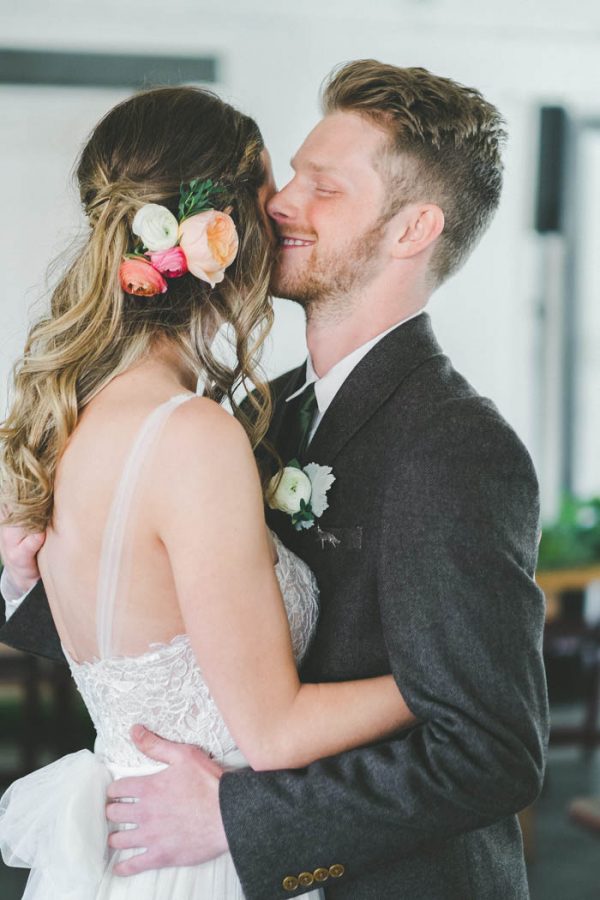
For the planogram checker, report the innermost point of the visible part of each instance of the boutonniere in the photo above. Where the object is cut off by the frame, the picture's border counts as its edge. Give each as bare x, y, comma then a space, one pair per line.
301, 492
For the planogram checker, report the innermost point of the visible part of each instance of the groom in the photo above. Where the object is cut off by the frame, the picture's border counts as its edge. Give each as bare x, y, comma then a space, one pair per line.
425, 556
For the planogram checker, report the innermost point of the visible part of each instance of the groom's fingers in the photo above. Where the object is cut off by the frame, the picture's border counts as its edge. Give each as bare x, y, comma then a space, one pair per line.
139, 863
126, 788
127, 839
121, 840
121, 812
177, 817
154, 746
147, 855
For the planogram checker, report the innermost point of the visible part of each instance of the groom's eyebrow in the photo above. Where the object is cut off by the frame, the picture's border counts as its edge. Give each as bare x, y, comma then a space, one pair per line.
341, 178
316, 167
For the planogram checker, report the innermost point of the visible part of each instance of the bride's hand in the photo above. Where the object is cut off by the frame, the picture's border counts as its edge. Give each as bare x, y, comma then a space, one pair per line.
18, 550
176, 813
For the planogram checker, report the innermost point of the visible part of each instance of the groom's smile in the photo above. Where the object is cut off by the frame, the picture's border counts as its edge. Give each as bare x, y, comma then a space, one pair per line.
292, 243
326, 215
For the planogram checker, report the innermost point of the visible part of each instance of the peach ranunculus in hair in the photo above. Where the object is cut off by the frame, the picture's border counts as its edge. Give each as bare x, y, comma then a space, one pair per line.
210, 243
171, 263
140, 278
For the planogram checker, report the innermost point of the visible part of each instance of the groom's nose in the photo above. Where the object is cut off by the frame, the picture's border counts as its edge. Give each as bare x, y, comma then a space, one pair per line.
282, 207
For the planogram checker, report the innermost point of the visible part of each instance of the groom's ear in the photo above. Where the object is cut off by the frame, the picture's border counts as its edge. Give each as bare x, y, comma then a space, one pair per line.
415, 228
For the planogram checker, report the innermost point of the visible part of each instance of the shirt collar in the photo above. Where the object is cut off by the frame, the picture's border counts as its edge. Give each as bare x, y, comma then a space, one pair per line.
327, 387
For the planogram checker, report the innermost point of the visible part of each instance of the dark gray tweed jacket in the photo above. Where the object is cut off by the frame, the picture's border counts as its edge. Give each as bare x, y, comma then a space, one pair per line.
435, 511
435, 507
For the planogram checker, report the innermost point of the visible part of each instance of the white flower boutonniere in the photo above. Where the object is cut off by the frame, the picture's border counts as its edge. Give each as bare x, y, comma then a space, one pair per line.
301, 492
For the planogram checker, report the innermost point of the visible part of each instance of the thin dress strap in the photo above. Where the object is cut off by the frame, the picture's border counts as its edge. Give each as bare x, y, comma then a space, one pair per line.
116, 523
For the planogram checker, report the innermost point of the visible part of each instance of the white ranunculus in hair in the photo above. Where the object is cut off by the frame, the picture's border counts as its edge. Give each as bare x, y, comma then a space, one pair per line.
293, 488
156, 226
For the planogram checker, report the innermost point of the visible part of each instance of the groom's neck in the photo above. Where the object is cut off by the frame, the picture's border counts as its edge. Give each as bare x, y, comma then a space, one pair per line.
333, 332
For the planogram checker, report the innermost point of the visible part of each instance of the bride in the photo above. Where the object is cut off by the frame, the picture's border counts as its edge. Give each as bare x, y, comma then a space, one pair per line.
174, 604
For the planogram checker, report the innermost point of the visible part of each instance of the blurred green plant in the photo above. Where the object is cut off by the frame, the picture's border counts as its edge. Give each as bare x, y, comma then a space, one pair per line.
574, 539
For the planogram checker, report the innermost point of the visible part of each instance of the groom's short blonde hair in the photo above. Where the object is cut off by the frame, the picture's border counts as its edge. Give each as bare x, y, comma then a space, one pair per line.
444, 147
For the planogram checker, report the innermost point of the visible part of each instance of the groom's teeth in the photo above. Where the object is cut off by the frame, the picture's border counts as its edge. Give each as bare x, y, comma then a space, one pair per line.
294, 242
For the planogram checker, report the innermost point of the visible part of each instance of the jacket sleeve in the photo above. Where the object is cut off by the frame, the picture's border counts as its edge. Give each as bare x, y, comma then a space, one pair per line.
31, 627
463, 621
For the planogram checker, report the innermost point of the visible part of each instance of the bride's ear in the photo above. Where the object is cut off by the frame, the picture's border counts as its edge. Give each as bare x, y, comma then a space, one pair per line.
417, 226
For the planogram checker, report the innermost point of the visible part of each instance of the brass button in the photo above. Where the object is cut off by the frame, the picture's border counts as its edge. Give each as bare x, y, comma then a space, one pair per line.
305, 879
321, 874
290, 883
337, 870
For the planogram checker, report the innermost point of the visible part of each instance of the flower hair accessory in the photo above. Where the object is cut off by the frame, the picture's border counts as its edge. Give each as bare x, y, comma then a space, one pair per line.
301, 492
202, 241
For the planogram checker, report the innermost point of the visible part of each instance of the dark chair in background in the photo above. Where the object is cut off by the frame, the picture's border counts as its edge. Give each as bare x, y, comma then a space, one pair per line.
585, 811
568, 636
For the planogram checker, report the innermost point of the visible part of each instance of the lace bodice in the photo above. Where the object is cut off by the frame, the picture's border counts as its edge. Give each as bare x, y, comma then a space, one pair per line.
163, 688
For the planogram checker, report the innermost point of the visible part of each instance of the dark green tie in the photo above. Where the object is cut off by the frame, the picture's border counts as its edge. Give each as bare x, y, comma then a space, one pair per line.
304, 412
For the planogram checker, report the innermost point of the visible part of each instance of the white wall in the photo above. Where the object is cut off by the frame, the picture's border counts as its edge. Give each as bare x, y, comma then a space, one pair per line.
274, 56
587, 389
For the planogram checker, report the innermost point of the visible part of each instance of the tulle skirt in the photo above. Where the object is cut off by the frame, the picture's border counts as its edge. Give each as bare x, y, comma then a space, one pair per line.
53, 822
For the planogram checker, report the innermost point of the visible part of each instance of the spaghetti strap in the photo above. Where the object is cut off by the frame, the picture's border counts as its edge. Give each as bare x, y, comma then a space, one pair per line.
116, 523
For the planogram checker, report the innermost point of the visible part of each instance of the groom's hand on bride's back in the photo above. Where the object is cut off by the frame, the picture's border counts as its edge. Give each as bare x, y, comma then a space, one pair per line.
18, 551
176, 813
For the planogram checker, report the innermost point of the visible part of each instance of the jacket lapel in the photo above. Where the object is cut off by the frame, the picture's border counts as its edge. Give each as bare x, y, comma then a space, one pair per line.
370, 384
282, 388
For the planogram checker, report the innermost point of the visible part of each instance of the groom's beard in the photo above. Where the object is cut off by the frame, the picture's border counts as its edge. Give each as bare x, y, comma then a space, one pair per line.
331, 278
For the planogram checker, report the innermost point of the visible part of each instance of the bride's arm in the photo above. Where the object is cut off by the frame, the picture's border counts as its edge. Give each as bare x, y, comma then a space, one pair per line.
210, 517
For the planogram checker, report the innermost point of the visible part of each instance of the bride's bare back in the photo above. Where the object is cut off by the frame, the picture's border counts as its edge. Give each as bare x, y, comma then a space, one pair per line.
87, 478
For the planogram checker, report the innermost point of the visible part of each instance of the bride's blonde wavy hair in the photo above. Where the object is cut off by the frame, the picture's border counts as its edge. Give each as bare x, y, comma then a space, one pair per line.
139, 153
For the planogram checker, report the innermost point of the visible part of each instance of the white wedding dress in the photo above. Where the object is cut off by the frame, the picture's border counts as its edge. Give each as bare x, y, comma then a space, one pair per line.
53, 821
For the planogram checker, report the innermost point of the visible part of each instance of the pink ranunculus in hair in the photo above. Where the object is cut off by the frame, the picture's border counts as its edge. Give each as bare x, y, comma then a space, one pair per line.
210, 243
140, 278
170, 263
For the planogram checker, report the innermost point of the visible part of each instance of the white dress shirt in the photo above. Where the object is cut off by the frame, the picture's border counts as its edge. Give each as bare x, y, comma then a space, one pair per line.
325, 390
12, 595
327, 387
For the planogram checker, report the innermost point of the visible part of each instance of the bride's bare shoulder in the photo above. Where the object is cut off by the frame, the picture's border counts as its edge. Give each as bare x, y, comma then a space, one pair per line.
204, 468
201, 426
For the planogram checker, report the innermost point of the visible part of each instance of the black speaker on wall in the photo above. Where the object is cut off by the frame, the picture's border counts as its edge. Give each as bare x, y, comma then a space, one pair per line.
549, 210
